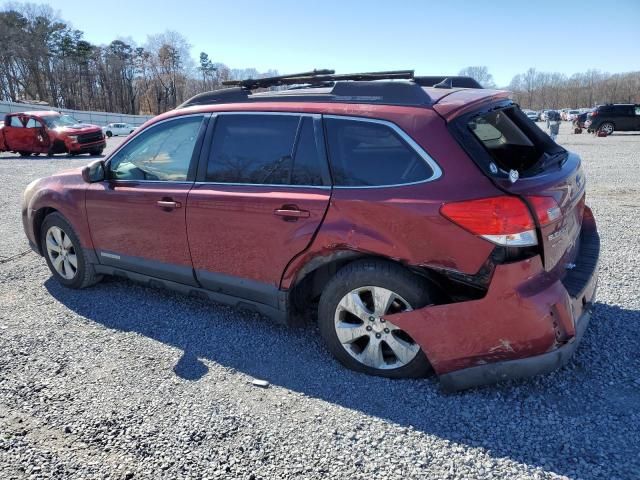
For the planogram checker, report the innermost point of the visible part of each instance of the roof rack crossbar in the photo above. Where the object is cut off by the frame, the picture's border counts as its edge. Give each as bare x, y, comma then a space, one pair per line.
318, 77
252, 83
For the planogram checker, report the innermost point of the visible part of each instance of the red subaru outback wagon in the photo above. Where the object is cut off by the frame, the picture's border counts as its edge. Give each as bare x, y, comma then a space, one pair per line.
430, 224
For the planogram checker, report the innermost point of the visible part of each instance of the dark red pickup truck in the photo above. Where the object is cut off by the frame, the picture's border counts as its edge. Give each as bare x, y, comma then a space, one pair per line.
49, 132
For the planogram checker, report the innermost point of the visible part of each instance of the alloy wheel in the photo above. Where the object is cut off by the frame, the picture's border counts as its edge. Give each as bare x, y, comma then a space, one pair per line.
607, 128
366, 335
61, 252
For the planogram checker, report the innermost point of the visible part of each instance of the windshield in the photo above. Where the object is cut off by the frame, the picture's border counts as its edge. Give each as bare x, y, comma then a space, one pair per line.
60, 121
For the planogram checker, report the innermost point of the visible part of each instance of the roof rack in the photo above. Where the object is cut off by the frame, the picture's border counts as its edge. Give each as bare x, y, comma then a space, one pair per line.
317, 77
253, 83
326, 86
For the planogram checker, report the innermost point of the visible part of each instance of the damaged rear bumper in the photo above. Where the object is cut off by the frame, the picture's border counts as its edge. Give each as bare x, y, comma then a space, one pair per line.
529, 322
519, 368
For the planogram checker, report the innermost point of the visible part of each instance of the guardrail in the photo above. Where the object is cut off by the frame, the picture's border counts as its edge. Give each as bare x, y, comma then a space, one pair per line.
96, 118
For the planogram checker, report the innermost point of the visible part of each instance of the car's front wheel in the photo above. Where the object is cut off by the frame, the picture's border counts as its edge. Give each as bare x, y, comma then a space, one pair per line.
607, 128
65, 256
108, 134
352, 319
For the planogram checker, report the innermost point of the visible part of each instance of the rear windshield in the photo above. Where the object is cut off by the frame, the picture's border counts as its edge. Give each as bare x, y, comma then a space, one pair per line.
512, 141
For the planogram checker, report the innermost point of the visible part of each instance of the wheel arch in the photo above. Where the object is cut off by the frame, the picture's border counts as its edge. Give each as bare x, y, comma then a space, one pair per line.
38, 218
312, 278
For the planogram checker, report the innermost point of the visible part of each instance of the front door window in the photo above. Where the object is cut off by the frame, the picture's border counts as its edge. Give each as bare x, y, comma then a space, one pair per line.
162, 153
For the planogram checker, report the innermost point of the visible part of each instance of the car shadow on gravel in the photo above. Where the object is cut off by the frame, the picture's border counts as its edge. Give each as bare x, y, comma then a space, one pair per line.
577, 421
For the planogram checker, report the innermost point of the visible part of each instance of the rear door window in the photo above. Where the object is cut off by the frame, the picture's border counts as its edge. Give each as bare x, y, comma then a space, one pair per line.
16, 122
263, 149
372, 153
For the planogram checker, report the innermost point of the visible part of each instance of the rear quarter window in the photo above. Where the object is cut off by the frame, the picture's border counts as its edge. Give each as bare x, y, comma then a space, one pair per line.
365, 153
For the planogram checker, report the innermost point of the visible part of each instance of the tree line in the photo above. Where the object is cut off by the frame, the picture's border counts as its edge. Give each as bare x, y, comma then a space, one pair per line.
44, 59
538, 90
544, 90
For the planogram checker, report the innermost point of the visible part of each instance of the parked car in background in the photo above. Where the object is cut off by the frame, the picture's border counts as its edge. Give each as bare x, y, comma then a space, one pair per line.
579, 121
429, 228
532, 114
49, 132
621, 117
115, 129
571, 114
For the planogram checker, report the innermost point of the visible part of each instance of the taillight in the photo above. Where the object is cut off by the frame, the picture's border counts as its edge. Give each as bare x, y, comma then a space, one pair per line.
546, 209
501, 220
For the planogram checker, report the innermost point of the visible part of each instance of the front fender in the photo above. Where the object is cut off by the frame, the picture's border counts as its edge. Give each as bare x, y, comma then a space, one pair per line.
64, 193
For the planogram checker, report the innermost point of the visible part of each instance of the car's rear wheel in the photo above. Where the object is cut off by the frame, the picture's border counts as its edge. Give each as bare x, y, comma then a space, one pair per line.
351, 318
25, 154
607, 128
65, 257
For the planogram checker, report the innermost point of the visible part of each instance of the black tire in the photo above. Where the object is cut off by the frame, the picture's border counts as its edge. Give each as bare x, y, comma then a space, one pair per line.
607, 127
131, 132
25, 154
85, 275
415, 290
108, 134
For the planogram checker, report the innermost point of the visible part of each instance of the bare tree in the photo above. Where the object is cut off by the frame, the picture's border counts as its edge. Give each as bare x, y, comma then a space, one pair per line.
480, 74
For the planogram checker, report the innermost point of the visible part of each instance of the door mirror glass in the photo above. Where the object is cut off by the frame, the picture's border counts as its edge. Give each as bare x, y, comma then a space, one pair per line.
94, 172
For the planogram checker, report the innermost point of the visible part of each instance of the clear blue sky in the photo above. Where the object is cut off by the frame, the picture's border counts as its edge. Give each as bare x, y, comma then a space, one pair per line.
432, 37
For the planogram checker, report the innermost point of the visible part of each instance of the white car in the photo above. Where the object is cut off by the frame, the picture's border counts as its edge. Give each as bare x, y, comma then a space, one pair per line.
532, 114
115, 129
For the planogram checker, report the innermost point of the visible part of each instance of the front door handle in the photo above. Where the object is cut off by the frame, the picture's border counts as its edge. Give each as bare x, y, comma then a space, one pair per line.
291, 212
169, 204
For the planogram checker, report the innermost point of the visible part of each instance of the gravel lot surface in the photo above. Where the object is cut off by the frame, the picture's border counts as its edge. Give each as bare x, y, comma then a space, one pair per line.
122, 381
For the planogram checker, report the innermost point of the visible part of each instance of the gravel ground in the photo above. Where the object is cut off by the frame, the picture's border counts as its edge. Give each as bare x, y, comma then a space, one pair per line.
121, 381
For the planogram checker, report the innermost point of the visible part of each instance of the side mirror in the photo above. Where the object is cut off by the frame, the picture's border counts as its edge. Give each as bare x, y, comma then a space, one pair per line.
94, 172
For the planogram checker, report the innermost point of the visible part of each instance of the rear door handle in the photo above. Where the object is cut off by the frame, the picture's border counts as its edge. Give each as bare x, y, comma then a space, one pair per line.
168, 204
291, 212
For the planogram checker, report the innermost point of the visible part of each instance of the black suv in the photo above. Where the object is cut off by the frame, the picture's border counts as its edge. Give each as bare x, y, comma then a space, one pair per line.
623, 117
